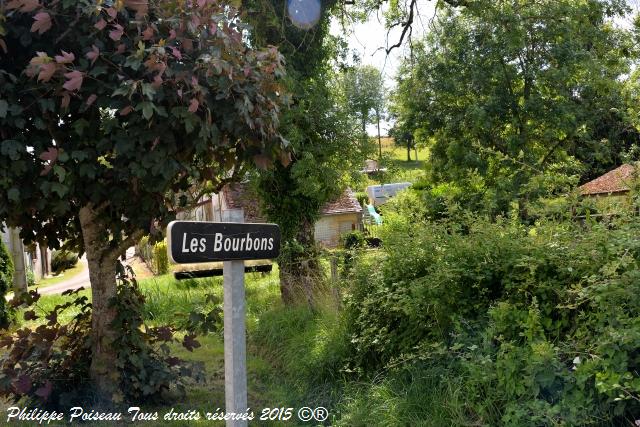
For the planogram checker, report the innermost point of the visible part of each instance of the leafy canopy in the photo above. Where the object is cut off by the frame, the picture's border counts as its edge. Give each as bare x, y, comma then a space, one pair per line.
516, 96
117, 104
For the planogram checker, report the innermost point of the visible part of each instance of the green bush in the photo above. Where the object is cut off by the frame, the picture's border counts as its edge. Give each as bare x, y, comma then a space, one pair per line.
31, 277
6, 282
160, 258
353, 239
362, 197
49, 365
62, 260
143, 249
154, 255
540, 325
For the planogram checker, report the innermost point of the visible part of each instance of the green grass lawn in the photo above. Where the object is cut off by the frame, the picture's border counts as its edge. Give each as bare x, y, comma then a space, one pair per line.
398, 168
295, 358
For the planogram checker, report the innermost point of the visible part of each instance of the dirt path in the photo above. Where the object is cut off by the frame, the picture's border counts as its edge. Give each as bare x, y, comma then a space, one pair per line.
79, 281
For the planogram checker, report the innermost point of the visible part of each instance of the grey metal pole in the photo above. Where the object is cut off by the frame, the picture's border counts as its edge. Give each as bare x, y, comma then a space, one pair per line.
235, 345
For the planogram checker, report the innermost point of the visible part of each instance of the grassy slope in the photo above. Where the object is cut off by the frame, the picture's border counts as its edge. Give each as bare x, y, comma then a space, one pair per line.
395, 160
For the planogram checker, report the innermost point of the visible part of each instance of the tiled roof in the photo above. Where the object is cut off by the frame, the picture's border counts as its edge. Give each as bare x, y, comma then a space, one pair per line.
346, 203
615, 181
241, 196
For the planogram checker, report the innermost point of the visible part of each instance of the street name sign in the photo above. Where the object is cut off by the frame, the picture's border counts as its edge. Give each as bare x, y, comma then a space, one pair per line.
232, 242
196, 241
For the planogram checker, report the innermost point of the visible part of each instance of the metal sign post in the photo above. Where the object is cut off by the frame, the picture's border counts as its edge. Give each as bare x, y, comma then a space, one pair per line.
232, 242
235, 342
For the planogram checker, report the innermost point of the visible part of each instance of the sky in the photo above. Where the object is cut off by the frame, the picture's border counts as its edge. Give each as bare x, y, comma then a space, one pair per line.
369, 39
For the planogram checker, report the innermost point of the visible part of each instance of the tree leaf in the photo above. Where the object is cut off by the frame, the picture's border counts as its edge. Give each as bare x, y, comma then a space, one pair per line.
193, 105
116, 34
147, 110
93, 54
13, 194
42, 22
74, 81
101, 24
92, 98
65, 58
46, 71
50, 155
30, 315
190, 342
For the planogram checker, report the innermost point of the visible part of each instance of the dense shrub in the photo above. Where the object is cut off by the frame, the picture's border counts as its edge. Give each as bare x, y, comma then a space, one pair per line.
160, 258
6, 281
362, 198
353, 239
540, 324
63, 260
154, 255
49, 364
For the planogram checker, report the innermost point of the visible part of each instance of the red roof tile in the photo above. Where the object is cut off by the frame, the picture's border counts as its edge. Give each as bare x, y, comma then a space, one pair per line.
615, 181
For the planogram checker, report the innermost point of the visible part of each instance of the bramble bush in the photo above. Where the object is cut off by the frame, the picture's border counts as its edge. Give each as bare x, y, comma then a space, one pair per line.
540, 325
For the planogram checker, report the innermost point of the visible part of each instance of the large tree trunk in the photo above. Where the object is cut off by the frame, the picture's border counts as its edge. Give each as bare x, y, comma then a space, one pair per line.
102, 273
300, 274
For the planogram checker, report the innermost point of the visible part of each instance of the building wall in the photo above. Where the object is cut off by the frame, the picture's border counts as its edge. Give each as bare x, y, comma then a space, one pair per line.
202, 212
329, 228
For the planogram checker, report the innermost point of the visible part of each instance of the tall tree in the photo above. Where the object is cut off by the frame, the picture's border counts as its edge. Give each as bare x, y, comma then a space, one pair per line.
517, 93
107, 108
325, 143
363, 92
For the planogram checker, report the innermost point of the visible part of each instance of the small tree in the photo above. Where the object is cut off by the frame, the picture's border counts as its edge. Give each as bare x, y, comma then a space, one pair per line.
107, 109
6, 279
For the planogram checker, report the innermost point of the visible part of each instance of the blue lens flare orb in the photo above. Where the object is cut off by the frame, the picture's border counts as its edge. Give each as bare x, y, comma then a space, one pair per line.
304, 14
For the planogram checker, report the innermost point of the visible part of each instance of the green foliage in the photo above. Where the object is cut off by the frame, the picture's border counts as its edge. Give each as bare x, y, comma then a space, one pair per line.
154, 255
6, 283
538, 325
328, 149
147, 369
519, 99
353, 239
362, 197
31, 277
160, 258
102, 81
49, 364
62, 260
362, 92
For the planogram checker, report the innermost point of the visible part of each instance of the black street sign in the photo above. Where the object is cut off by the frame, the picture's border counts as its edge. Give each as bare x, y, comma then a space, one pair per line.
195, 241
